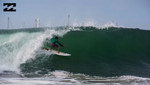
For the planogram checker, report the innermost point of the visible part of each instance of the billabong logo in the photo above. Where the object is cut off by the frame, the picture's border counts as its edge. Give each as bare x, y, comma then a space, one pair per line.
9, 7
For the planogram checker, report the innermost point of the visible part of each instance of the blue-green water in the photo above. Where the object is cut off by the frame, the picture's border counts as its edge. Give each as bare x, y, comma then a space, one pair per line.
110, 55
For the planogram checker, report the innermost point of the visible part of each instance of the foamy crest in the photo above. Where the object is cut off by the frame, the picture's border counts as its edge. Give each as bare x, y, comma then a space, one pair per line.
109, 24
85, 23
19, 47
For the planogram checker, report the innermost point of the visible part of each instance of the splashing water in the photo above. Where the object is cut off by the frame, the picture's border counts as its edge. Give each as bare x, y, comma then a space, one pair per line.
17, 48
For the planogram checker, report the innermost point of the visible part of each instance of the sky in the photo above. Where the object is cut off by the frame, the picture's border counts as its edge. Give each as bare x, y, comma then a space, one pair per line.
126, 13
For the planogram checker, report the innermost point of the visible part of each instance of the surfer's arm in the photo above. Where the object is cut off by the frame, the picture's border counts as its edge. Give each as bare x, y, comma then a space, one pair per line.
60, 44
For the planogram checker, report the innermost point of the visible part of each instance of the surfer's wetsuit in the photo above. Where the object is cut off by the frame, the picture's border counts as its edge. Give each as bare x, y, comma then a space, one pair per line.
54, 43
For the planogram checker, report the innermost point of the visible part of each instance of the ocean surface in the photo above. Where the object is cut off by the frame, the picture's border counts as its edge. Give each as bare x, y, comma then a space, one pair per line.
99, 56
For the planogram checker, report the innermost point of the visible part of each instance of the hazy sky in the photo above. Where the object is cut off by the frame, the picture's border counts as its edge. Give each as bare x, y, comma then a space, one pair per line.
128, 13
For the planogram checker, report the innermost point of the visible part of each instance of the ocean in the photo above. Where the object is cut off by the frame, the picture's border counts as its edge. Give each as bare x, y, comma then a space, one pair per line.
99, 56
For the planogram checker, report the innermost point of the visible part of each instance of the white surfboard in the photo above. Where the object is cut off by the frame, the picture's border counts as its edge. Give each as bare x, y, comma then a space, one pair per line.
60, 53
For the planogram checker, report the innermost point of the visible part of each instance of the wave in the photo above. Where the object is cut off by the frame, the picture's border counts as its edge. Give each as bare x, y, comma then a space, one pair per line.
101, 52
108, 52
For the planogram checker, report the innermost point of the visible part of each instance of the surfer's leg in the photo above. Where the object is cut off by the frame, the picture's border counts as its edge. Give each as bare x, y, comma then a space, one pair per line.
52, 45
57, 48
50, 48
45, 49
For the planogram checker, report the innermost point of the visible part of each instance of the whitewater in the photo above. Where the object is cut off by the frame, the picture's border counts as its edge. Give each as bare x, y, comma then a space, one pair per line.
22, 60
17, 48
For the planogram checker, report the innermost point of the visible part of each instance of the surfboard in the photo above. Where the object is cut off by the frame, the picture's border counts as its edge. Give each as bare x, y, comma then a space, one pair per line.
60, 53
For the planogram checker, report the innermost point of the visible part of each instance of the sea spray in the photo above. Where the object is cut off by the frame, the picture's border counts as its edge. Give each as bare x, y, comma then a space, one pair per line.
17, 48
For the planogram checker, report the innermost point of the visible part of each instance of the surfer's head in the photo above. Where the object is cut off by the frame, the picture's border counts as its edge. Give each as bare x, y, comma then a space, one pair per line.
56, 37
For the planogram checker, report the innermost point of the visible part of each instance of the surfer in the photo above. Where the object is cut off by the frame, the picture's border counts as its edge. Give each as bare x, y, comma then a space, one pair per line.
54, 41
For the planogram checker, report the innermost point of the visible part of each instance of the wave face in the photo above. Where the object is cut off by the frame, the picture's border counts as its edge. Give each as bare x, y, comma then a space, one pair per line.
99, 52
